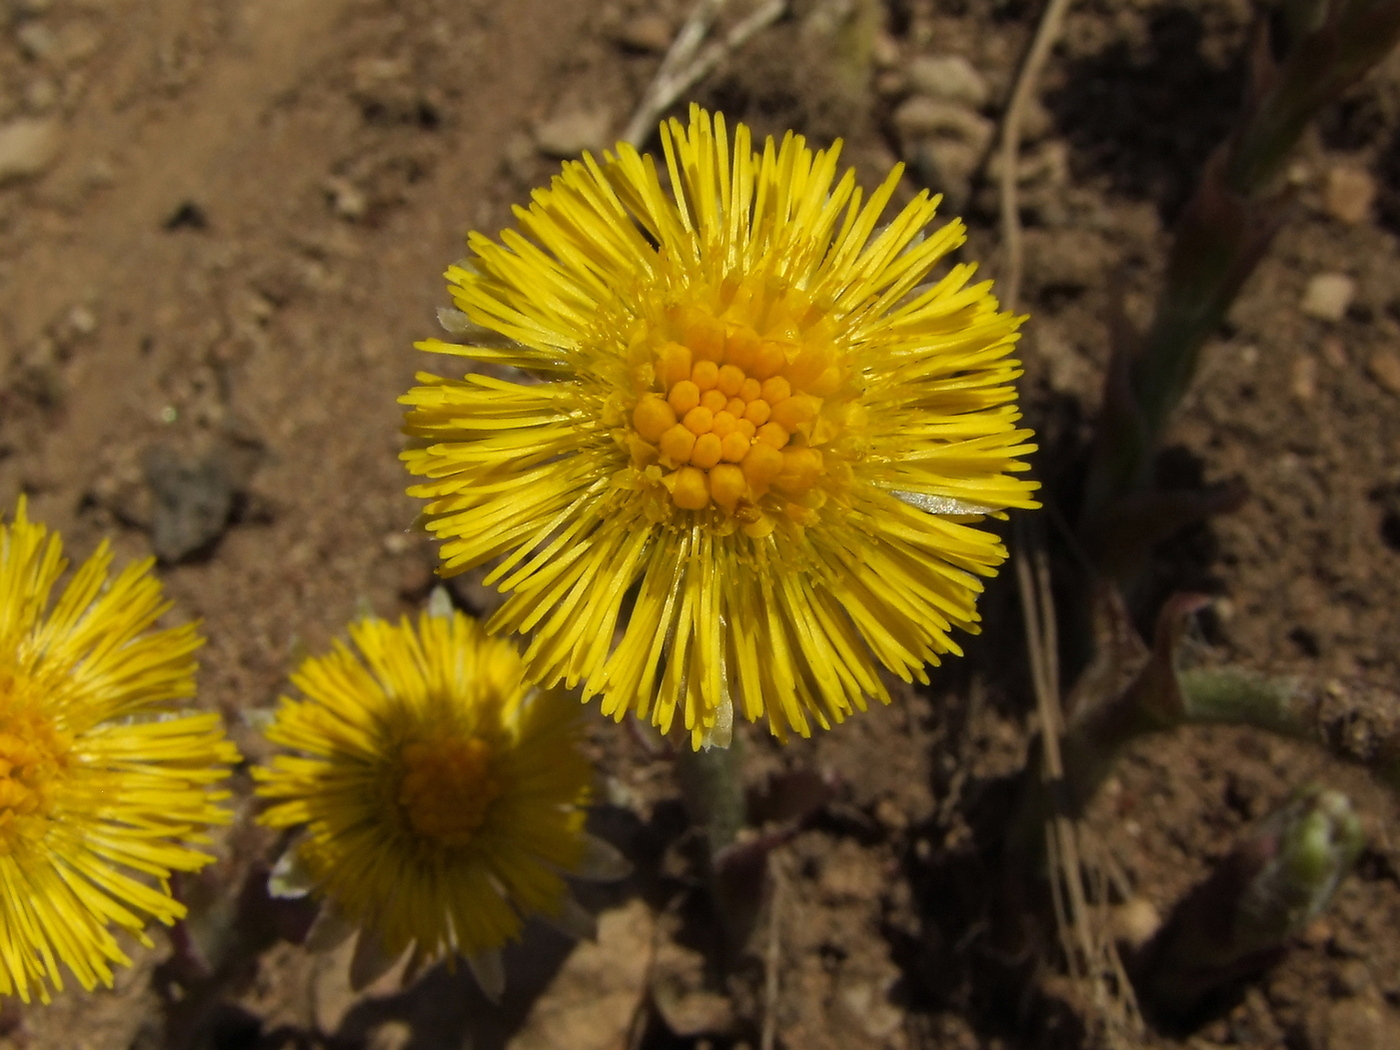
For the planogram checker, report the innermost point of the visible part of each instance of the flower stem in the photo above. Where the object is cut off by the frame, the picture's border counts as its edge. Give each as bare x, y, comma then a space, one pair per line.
712, 785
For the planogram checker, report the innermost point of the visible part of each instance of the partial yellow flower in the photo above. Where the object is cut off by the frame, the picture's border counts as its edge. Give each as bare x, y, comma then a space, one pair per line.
104, 782
441, 796
755, 434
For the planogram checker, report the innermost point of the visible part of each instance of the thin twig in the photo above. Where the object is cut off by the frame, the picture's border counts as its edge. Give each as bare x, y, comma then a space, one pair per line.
687, 63
1038, 610
1046, 33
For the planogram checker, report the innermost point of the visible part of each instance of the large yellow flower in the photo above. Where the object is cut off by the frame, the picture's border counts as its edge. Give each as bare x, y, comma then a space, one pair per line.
441, 796
104, 784
754, 437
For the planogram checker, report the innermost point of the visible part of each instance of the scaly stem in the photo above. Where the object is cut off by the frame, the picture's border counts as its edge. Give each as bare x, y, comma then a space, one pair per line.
1220, 237
1278, 878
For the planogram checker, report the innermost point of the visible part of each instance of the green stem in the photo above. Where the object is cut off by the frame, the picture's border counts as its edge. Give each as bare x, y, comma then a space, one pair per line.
1337, 719
712, 784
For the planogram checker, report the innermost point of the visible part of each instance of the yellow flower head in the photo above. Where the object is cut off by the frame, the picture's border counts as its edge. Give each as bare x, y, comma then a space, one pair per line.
755, 435
103, 783
441, 796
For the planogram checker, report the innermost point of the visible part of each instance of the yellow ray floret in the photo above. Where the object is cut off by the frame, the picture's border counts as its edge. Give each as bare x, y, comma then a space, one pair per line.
104, 784
758, 431
441, 796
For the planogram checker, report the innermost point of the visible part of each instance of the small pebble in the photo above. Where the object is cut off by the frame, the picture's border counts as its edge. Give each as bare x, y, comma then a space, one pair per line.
77, 42
871, 1008
28, 145
1303, 381
1334, 352
372, 73
1317, 933
1136, 921
951, 78
890, 83
648, 33
391, 1035
347, 200
570, 132
82, 320
1349, 194
40, 95
1036, 121
36, 40
921, 117
884, 51
889, 813
1384, 368
1047, 165
1352, 977
1328, 295
518, 157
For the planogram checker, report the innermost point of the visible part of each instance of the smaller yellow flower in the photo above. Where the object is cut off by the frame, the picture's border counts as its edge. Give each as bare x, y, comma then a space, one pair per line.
442, 798
104, 783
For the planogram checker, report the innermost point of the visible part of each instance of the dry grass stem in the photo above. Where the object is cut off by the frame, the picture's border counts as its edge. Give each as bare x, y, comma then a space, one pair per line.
1046, 33
687, 62
1086, 940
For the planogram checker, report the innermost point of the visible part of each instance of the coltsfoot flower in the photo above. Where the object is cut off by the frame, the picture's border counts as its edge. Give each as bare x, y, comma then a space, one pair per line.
441, 796
755, 433
104, 783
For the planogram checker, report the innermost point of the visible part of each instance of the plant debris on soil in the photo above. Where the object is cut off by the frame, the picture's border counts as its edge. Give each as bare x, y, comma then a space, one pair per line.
223, 224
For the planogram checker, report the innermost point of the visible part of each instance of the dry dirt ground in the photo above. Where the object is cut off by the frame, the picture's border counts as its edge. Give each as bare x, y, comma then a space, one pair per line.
223, 230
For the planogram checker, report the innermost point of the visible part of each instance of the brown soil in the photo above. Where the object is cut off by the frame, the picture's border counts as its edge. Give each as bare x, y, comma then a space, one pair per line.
220, 275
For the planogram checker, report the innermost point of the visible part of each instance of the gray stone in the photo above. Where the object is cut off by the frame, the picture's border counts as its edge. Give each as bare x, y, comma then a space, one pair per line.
921, 117
571, 131
649, 32
951, 78
194, 497
944, 141
347, 200
40, 95
36, 40
28, 145
1384, 368
884, 51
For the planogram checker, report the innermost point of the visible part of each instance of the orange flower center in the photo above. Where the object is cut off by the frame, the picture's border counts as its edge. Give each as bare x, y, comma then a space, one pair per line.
734, 410
33, 761
447, 787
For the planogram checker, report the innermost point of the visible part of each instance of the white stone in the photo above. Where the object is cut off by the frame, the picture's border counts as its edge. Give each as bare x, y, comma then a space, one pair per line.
1328, 295
1348, 194
28, 145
